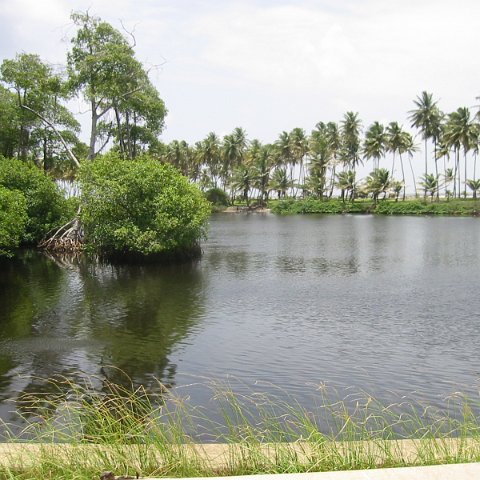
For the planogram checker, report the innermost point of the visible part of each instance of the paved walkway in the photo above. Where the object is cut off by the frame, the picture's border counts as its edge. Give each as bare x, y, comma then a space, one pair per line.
463, 471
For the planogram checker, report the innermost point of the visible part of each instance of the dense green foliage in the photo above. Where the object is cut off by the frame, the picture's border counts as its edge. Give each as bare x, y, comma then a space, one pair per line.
13, 217
217, 196
46, 206
140, 207
382, 207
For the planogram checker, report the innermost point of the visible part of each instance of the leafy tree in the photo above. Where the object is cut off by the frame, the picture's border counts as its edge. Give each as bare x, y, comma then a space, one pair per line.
102, 65
43, 123
13, 218
140, 207
46, 206
242, 181
217, 196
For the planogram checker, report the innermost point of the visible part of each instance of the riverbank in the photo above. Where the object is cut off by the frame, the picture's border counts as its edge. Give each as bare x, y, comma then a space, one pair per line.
456, 207
128, 431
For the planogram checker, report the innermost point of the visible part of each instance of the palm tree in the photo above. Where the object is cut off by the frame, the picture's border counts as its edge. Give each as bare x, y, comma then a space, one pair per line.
397, 140
474, 185
321, 153
262, 164
378, 182
407, 146
242, 180
346, 184
209, 153
426, 117
280, 182
460, 132
298, 149
284, 150
350, 129
430, 184
375, 143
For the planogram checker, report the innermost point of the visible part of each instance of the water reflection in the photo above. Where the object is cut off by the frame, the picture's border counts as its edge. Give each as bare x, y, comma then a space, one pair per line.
77, 322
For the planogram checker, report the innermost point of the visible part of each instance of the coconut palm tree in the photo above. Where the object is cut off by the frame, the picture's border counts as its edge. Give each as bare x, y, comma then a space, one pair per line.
375, 143
346, 184
299, 149
460, 133
426, 117
378, 182
280, 182
284, 152
350, 129
396, 141
430, 183
242, 181
474, 185
321, 153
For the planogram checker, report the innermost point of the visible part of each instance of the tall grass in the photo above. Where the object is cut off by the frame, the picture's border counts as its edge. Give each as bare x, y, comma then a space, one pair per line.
74, 432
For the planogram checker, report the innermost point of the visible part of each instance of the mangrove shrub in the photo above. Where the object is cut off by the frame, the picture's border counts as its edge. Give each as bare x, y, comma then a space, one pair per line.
13, 217
46, 206
140, 207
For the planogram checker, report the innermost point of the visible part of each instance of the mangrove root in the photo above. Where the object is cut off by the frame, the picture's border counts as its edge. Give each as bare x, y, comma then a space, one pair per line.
66, 239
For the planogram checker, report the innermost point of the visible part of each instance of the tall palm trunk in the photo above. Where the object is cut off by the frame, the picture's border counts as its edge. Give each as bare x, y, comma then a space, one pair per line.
403, 176
426, 167
413, 176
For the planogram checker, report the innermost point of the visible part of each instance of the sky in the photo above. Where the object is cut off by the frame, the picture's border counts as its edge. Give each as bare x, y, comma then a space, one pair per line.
270, 66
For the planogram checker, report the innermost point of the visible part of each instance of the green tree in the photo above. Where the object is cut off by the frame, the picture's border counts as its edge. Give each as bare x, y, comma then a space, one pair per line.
140, 207
102, 65
43, 122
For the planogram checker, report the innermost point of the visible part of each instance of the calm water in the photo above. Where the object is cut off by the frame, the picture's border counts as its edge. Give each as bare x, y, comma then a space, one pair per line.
387, 305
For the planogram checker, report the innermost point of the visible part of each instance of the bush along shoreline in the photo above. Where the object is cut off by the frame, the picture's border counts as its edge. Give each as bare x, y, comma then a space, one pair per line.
382, 207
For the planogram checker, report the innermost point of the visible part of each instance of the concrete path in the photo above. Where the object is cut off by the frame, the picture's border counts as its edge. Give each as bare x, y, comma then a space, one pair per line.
462, 471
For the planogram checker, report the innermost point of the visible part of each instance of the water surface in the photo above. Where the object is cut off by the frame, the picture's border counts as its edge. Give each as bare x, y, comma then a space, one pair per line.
389, 305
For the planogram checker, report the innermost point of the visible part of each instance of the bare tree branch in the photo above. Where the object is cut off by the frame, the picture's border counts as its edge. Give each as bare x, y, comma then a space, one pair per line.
59, 135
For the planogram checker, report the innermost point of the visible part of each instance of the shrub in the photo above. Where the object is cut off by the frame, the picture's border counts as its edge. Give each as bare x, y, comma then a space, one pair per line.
140, 207
45, 205
13, 217
217, 196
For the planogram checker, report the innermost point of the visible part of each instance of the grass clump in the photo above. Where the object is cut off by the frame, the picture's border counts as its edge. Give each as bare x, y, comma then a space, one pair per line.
75, 432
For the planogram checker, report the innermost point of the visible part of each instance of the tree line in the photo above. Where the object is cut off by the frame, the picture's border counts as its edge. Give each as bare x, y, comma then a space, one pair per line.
127, 117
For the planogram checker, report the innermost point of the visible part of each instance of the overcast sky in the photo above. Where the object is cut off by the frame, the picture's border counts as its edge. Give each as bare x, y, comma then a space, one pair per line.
269, 66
